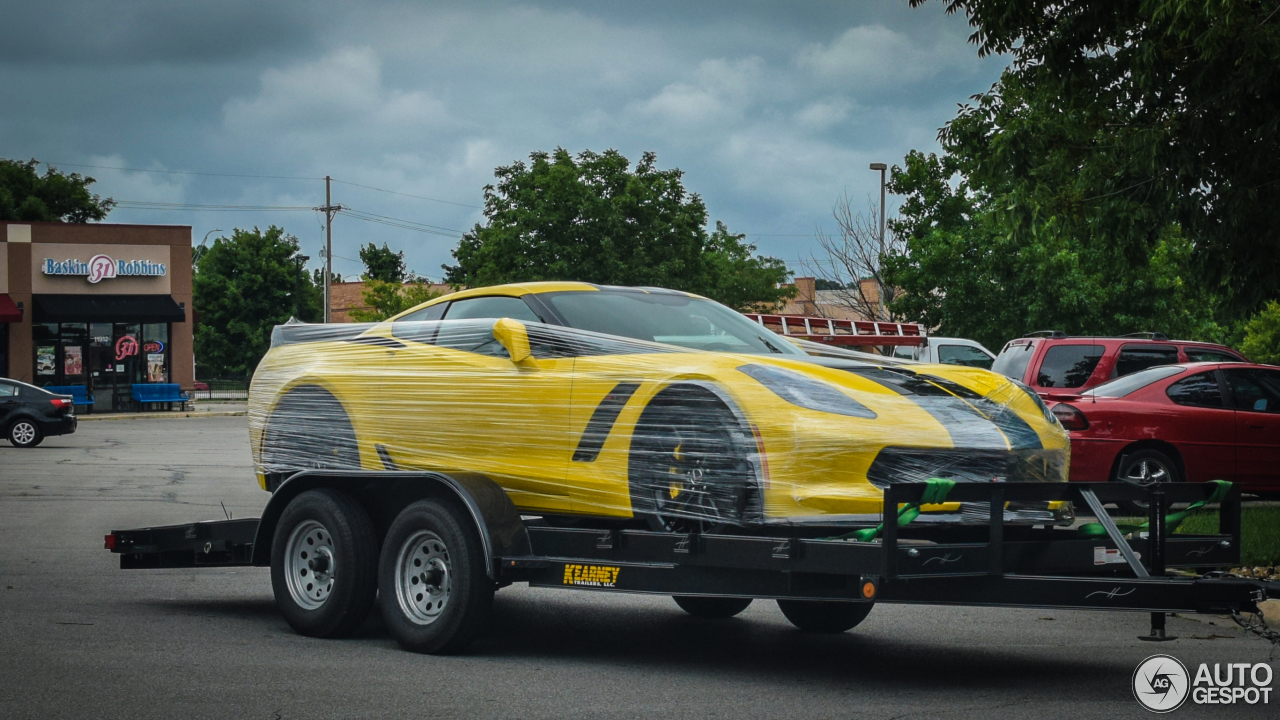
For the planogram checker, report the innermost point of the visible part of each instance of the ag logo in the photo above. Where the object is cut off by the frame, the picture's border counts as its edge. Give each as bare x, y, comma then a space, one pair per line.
1161, 683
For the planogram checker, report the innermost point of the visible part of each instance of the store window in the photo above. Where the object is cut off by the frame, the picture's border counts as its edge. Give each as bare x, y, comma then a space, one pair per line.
107, 358
155, 351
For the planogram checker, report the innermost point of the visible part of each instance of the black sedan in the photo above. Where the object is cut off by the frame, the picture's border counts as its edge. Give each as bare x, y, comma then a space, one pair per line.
28, 414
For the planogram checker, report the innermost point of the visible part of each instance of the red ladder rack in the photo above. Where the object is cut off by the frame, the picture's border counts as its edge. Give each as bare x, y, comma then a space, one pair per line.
842, 332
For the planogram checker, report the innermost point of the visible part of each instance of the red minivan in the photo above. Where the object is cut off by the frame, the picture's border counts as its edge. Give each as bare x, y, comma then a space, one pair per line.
1051, 361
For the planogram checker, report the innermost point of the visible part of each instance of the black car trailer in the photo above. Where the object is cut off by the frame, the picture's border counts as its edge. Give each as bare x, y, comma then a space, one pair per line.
433, 547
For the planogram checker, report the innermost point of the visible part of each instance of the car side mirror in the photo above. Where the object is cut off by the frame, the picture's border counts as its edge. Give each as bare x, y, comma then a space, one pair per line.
513, 336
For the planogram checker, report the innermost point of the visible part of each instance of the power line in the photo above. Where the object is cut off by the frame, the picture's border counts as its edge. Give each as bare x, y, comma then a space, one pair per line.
427, 226
148, 205
393, 192
182, 172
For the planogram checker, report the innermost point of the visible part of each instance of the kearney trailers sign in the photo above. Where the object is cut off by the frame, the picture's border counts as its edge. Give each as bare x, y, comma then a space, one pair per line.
103, 267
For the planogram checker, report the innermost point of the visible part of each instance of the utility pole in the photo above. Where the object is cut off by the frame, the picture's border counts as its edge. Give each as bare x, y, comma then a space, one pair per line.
329, 210
299, 261
881, 290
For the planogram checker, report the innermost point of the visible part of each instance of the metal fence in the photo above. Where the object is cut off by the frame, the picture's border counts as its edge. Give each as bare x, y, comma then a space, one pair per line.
222, 389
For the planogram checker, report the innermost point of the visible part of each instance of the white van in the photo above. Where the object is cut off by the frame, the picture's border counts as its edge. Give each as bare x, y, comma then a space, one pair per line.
948, 351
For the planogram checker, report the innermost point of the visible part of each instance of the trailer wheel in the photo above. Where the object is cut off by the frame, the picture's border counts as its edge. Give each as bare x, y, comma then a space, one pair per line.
714, 608
824, 616
432, 585
323, 558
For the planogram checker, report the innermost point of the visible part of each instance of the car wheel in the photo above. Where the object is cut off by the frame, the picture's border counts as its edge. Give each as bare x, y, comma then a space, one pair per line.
309, 429
712, 608
432, 585
1143, 469
25, 433
824, 616
324, 557
688, 468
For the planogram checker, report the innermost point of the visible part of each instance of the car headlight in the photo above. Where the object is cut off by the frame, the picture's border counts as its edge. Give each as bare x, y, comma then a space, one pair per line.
806, 392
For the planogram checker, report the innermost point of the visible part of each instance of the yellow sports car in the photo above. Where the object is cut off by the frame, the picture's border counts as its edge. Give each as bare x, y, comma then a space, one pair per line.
641, 404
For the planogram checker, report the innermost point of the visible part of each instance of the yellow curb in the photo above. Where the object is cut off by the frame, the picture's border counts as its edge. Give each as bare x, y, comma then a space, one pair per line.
165, 415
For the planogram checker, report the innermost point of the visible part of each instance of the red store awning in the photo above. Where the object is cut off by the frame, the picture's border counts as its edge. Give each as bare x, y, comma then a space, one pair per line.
9, 312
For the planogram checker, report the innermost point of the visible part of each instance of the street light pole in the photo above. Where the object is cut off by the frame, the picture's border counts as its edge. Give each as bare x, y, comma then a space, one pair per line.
300, 260
880, 290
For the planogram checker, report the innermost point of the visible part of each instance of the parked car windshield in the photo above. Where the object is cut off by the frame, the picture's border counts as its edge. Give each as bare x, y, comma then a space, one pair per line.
669, 318
1131, 383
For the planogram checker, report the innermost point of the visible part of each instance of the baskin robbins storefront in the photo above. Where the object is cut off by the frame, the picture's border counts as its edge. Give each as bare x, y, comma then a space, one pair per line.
96, 309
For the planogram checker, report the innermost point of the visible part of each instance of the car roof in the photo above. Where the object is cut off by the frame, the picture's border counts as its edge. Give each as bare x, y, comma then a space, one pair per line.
1112, 341
538, 288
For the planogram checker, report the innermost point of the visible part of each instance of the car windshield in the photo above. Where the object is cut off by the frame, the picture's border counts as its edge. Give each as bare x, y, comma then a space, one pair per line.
665, 317
1131, 383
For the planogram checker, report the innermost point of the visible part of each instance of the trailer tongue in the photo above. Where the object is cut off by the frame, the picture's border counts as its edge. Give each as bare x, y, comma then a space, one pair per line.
814, 578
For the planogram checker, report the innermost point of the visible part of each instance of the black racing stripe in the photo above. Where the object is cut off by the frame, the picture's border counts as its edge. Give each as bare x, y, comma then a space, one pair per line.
601, 422
968, 428
1021, 436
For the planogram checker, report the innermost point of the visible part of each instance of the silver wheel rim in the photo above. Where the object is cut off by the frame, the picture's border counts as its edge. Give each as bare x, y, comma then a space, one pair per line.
1147, 472
424, 577
23, 433
309, 564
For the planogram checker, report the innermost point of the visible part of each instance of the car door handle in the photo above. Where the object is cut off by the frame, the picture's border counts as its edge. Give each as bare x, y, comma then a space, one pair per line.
1257, 427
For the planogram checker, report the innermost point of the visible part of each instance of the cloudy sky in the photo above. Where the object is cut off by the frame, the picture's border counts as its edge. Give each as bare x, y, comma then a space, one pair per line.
772, 109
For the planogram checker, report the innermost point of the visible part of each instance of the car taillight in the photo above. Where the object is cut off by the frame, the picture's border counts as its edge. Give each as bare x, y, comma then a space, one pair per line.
1070, 417
61, 403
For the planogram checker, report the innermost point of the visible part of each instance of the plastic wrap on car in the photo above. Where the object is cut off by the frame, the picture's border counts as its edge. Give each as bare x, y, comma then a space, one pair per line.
593, 428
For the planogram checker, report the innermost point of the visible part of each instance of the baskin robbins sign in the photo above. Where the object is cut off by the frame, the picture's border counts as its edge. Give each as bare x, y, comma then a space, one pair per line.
104, 267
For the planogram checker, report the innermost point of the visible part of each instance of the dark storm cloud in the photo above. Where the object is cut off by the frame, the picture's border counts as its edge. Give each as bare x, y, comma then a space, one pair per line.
772, 109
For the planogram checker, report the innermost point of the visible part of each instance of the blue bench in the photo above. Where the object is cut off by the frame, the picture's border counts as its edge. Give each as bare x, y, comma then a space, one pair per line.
168, 393
79, 393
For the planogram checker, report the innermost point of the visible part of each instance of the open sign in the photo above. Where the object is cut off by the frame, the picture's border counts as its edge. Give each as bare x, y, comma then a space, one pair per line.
155, 346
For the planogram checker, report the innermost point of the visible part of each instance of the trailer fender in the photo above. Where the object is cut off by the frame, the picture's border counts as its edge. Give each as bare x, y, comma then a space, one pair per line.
385, 493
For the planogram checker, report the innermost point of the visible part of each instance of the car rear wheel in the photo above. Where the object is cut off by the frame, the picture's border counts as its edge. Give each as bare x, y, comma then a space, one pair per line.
824, 616
324, 558
688, 468
1145, 468
432, 585
25, 433
711, 608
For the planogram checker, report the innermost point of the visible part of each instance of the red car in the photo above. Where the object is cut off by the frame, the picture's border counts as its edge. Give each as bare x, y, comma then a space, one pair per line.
1188, 422
1050, 361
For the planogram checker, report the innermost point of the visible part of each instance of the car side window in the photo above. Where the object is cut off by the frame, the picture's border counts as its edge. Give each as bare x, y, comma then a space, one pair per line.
491, 307
1140, 357
1068, 366
1200, 390
963, 355
1255, 390
1206, 355
435, 312
7, 390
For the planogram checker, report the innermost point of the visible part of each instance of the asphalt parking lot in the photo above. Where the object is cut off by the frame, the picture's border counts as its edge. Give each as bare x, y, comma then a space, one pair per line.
81, 638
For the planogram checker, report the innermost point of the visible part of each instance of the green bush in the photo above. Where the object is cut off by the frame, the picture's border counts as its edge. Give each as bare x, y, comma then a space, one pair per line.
1262, 336
1260, 533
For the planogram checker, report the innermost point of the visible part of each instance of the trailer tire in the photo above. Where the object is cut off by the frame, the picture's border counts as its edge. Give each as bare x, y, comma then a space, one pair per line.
324, 558
432, 586
824, 616
712, 608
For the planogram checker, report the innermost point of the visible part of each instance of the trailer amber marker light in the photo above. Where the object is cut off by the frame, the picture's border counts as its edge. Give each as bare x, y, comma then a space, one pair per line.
868, 590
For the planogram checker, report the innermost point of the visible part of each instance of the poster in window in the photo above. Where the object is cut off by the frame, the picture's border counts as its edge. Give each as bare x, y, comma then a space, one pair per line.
155, 367
46, 360
72, 360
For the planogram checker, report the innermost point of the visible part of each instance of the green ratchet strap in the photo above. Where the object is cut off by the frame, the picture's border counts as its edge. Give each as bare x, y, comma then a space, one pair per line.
935, 492
1171, 521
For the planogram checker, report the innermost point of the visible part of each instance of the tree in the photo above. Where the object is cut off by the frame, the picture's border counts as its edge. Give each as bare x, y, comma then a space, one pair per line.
593, 218
27, 196
381, 264
387, 298
965, 273
1132, 117
1262, 336
855, 254
243, 287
